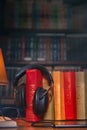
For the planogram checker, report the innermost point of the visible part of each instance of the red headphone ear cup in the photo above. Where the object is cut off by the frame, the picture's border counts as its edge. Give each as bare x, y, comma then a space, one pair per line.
40, 104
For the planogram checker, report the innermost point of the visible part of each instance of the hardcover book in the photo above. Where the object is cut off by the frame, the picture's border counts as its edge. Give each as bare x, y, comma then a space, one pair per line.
85, 94
58, 96
70, 95
33, 81
80, 94
62, 96
49, 115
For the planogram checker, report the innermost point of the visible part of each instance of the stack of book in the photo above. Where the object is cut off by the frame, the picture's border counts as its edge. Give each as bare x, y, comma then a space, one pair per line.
69, 95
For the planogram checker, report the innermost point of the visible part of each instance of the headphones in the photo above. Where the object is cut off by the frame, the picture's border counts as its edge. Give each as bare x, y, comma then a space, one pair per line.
40, 99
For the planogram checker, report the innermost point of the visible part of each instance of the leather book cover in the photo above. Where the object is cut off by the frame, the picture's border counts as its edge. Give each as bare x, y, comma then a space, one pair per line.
49, 115
58, 96
80, 94
70, 95
62, 96
85, 73
33, 81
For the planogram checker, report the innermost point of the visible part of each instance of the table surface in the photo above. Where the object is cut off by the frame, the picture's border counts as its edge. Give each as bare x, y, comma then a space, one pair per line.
34, 128
23, 125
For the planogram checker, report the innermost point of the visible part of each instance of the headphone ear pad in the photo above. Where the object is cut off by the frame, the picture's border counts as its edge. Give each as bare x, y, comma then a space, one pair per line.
40, 104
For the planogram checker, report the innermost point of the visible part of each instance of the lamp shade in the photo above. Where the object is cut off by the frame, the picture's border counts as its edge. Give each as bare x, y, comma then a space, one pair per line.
3, 75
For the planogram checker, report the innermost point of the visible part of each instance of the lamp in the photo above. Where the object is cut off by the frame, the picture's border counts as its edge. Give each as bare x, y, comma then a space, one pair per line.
4, 121
3, 75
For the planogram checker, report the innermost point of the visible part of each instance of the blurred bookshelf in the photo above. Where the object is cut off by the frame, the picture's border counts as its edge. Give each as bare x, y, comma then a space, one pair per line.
50, 32
75, 2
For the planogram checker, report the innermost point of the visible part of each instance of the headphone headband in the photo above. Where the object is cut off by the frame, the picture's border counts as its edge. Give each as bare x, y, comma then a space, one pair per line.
33, 66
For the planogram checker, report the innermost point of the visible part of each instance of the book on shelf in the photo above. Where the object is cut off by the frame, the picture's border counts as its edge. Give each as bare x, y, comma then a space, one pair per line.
55, 49
49, 115
44, 16
33, 81
23, 41
41, 49
70, 95
80, 94
63, 52
55, 16
28, 49
48, 49
85, 94
59, 113
62, 96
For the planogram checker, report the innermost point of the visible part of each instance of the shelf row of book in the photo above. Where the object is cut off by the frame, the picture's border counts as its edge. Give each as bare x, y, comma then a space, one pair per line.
44, 15
43, 49
48, 15
32, 49
69, 99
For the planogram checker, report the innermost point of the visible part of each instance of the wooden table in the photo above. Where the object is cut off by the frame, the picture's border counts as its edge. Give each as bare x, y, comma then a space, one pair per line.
38, 128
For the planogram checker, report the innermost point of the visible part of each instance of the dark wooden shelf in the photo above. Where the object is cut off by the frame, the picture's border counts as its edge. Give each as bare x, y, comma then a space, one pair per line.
45, 63
38, 32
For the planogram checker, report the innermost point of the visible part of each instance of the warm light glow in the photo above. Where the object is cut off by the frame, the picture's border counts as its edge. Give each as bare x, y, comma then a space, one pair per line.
3, 75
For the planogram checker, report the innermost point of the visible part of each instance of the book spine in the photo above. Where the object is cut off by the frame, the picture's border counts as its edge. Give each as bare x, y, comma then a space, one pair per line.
80, 94
23, 42
41, 47
57, 95
48, 49
49, 115
85, 73
33, 81
55, 49
62, 96
70, 95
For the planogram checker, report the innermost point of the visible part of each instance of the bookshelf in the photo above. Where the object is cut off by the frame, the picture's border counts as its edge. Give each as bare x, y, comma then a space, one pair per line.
52, 33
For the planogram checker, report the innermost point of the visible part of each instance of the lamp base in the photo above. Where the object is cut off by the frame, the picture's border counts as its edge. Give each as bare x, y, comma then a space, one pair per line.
7, 122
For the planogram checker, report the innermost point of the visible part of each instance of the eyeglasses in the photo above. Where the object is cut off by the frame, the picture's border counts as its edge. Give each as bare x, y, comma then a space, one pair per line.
11, 112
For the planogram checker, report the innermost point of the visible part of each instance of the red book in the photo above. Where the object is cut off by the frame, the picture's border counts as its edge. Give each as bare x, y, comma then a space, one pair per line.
33, 81
70, 95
